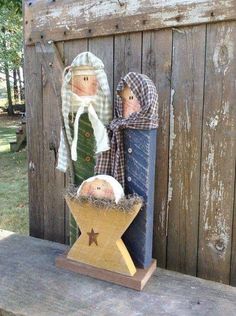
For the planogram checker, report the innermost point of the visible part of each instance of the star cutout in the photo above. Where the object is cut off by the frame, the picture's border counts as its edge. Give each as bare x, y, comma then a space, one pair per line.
93, 237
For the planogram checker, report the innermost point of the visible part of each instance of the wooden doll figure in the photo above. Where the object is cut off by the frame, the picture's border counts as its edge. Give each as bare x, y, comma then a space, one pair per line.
130, 102
84, 81
86, 109
132, 156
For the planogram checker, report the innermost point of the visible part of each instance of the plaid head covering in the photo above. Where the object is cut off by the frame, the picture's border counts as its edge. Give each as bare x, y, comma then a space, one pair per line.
112, 161
99, 107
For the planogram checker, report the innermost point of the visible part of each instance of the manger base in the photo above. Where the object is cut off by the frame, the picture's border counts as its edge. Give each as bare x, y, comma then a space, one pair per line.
136, 282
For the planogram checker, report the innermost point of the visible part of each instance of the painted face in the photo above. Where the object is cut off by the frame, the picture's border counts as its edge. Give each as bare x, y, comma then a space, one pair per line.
84, 85
130, 102
98, 188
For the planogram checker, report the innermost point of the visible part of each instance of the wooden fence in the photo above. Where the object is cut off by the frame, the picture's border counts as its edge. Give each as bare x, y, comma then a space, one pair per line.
188, 48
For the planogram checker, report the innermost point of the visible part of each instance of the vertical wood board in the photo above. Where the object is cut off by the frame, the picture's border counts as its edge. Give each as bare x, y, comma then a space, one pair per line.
103, 47
185, 147
140, 157
233, 248
218, 154
127, 55
156, 63
34, 114
53, 180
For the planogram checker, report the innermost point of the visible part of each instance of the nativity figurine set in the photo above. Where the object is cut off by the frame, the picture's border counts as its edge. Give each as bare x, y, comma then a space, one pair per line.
112, 152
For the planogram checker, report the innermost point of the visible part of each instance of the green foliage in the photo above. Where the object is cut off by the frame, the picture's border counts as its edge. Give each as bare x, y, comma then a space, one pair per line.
11, 34
14, 4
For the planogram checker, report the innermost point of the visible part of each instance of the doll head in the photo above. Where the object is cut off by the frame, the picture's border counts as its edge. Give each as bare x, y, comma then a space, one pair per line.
130, 103
101, 187
86, 77
84, 81
137, 98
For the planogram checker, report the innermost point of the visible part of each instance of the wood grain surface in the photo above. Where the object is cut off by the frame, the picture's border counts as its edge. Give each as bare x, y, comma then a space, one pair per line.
60, 20
185, 147
218, 154
156, 63
100, 243
34, 114
127, 55
96, 46
140, 156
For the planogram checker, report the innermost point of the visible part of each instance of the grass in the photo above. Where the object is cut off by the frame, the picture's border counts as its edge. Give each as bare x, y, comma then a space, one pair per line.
3, 102
13, 180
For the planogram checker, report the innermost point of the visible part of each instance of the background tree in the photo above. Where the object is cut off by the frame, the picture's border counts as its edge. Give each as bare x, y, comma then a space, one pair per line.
11, 45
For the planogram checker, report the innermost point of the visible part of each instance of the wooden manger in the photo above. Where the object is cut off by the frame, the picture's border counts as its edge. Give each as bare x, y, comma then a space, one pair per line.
99, 252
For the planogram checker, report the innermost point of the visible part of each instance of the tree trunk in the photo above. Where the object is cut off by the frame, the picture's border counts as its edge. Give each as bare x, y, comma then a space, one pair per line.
10, 109
22, 94
15, 87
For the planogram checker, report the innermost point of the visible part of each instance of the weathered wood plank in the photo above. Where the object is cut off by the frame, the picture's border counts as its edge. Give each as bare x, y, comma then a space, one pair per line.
156, 63
185, 147
102, 47
53, 180
47, 290
67, 179
71, 50
140, 158
127, 55
34, 113
218, 153
233, 248
63, 20
135, 282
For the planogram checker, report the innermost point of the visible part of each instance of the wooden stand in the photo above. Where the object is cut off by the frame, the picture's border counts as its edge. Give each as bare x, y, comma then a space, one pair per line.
136, 282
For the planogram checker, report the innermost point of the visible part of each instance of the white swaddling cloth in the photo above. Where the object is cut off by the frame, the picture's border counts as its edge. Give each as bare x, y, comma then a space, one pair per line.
86, 104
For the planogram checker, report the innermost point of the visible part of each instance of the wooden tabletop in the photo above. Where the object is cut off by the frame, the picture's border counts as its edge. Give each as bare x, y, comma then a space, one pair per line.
30, 284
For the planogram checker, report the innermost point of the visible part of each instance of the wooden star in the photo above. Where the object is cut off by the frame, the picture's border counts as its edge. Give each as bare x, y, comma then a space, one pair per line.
93, 237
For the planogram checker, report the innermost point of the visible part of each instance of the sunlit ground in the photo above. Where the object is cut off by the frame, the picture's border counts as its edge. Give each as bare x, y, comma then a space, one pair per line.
13, 180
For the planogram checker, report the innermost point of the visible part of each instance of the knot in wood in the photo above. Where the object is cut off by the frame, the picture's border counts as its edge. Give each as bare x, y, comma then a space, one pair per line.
223, 57
121, 3
178, 18
52, 145
220, 245
31, 166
